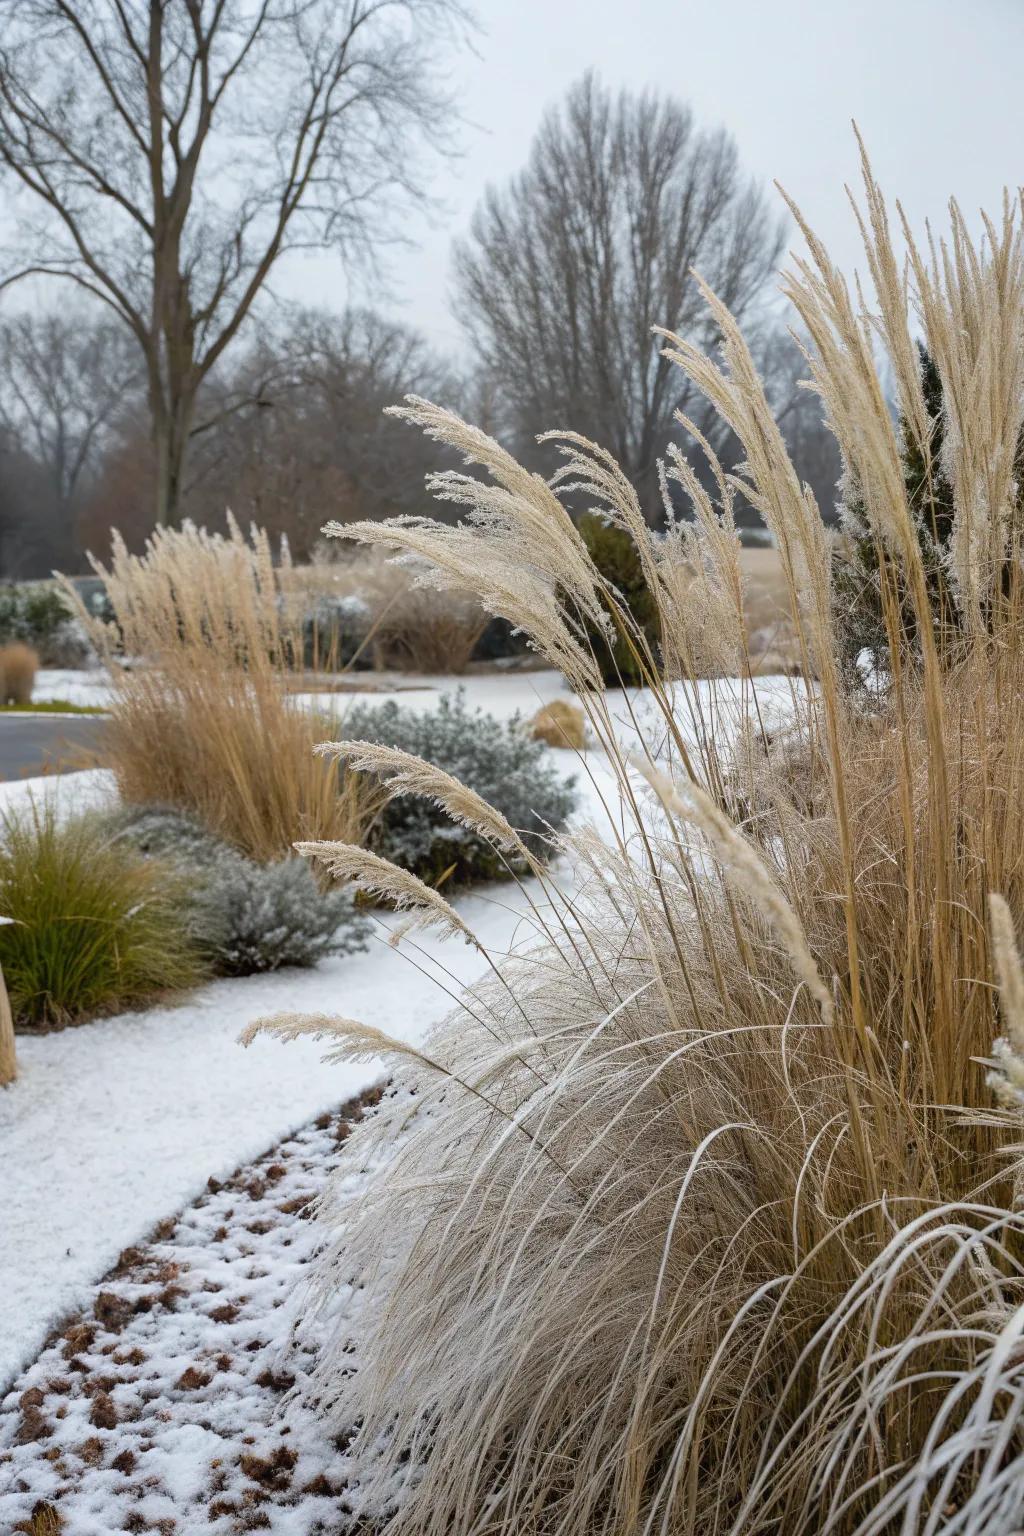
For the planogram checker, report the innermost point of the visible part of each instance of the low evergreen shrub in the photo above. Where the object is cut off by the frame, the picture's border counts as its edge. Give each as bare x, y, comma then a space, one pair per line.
498, 760
615, 556
246, 917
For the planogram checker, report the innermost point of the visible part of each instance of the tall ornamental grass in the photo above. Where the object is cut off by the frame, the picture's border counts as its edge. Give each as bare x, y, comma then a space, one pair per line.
200, 719
705, 1216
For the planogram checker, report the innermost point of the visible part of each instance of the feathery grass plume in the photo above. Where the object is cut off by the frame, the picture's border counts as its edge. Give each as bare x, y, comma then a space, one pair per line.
971, 304
705, 629
402, 773
672, 1246
378, 877
516, 550
201, 720
354, 1041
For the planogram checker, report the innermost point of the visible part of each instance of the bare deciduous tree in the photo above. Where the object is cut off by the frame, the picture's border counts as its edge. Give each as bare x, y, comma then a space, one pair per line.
64, 380
310, 439
569, 267
171, 151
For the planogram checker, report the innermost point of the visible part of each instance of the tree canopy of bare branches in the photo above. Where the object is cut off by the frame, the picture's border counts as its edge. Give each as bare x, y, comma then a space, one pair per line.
570, 265
309, 435
66, 379
168, 153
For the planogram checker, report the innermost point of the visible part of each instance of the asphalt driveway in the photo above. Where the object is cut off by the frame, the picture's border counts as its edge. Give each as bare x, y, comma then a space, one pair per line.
35, 744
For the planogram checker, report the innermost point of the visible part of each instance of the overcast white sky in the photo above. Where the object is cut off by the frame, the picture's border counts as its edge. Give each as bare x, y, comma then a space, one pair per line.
937, 87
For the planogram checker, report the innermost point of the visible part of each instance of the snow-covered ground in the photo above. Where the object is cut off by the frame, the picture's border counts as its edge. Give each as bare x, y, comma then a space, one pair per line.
72, 686
163, 1408
72, 793
501, 693
116, 1123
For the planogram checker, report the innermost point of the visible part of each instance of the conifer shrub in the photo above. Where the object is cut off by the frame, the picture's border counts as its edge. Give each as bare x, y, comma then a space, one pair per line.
245, 917
496, 760
866, 583
616, 559
92, 927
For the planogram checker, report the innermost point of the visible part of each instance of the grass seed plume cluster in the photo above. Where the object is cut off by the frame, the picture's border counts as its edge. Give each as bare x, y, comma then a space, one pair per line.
203, 723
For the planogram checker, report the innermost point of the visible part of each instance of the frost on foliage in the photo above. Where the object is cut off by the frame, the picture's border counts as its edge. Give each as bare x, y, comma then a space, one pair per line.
249, 917
275, 914
495, 759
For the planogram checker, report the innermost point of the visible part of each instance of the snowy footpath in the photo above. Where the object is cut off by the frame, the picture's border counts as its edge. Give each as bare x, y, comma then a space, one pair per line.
114, 1124
179, 1401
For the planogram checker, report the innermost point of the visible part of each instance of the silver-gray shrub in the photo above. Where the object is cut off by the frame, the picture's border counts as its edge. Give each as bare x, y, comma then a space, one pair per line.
248, 917
497, 759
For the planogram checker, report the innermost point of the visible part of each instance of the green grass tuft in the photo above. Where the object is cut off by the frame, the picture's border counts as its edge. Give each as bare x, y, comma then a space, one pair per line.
95, 927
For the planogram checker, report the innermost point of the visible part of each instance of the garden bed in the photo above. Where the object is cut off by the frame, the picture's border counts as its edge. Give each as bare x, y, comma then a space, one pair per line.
167, 1403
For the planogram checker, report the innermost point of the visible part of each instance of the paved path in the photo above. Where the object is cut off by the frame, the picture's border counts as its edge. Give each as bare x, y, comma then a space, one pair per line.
34, 744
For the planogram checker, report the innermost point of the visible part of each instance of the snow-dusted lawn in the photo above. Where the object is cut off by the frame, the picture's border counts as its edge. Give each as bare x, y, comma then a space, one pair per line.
501, 693
91, 789
498, 693
73, 686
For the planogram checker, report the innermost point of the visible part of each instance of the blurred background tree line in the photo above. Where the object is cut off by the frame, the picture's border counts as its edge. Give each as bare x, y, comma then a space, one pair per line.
161, 158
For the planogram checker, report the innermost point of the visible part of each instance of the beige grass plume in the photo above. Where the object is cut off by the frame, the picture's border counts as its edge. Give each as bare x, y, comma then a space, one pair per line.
379, 877
403, 773
518, 550
355, 1041
1007, 1076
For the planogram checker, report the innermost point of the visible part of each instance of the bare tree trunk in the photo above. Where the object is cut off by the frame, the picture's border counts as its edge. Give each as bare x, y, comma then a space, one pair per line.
8, 1058
160, 455
171, 432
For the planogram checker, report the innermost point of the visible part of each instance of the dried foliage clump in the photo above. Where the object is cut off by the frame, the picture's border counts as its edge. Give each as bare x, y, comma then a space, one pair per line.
417, 630
19, 664
206, 636
373, 610
708, 1219
560, 724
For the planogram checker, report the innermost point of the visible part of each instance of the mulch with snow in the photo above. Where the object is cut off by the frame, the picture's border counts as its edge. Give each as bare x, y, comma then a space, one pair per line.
168, 1404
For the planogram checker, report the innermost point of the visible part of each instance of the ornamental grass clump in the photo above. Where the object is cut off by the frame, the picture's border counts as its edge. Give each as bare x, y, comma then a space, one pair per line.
19, 664
91, 927
705, 1217
201, 720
